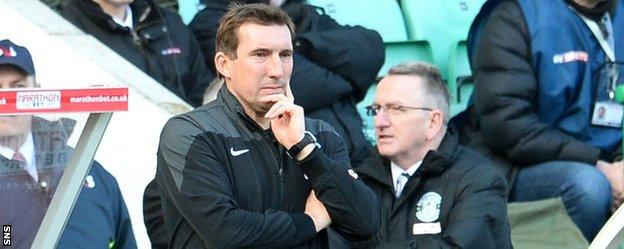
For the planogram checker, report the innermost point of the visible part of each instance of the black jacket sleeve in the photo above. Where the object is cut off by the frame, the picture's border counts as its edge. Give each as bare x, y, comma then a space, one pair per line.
204, 27
200, 76
506, 95
153, 216
191, 175
352, 206
124, 235
314, 87
353, 52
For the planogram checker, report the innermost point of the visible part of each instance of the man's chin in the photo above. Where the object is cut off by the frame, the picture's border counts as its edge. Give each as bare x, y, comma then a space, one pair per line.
384, 151
260, 109
263, 107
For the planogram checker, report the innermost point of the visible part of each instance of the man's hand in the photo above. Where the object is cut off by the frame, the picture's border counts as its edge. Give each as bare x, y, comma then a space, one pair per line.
316, 210
287, 119
615, 175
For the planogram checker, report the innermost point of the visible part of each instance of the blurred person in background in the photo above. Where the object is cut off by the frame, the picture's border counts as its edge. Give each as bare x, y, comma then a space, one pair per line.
33, 156
154, 39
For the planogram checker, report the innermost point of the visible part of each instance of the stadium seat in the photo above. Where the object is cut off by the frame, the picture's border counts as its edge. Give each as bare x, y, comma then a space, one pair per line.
188, 8
445, 25
390, 24
397, 52
459, 74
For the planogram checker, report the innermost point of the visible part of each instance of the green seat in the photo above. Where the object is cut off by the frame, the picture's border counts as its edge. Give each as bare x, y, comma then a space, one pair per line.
389, 25
188, 8
459, 77
397, 52
445, 25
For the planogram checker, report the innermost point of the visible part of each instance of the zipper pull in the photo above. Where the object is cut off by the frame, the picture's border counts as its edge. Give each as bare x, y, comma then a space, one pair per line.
135, 38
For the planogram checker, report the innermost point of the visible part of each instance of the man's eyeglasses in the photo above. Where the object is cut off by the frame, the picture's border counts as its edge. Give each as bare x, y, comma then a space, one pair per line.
373, 110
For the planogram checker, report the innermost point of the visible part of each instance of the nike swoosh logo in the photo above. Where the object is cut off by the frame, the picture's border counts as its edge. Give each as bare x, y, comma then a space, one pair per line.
238, 152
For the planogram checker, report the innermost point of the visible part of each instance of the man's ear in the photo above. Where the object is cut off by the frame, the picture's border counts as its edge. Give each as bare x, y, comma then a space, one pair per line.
222, 62
435, 124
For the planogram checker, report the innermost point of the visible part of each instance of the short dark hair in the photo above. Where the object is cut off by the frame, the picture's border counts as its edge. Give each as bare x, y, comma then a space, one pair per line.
433, 82
262, 14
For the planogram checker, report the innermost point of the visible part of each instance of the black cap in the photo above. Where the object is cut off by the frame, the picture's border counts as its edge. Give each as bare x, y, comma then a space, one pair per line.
16, 55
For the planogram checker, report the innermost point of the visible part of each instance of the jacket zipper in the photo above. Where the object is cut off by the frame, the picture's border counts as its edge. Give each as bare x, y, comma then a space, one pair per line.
280, 168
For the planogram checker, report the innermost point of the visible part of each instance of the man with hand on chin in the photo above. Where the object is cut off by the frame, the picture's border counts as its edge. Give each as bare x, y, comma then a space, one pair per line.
248, 169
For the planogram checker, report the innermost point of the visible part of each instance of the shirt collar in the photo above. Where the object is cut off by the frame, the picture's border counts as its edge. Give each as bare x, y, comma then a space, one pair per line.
27, 149
397, 171
128, 21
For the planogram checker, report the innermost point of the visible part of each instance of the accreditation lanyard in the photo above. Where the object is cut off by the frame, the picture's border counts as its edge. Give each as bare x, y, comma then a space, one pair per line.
607, 44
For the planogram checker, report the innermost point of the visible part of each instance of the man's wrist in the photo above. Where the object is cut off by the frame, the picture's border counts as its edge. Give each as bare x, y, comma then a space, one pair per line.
319, 223
305, 152
301, 137
301, 149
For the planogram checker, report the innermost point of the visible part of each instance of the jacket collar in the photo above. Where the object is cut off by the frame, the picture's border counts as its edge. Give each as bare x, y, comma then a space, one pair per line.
435, 162
233, 106
143, 11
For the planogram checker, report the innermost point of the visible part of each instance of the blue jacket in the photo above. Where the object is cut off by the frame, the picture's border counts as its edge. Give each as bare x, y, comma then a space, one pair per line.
530, 105
567, 91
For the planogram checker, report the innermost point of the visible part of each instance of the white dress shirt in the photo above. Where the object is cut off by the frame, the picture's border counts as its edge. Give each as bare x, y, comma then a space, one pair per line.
128, 21
397, 172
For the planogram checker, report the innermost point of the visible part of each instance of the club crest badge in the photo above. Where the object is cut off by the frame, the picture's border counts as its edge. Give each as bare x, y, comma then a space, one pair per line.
352, 173
428, 207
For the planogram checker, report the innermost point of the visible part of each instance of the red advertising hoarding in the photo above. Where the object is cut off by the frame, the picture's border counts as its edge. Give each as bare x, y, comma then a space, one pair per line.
40, 100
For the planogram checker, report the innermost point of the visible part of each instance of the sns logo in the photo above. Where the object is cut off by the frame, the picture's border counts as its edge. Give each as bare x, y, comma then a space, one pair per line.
6, 235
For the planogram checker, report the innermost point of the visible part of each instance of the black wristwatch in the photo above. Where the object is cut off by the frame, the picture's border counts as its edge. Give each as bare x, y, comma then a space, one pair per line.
308, 138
